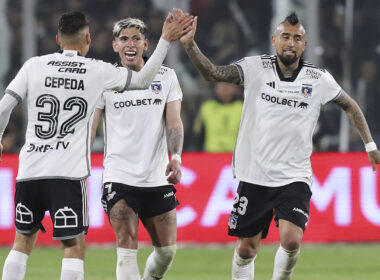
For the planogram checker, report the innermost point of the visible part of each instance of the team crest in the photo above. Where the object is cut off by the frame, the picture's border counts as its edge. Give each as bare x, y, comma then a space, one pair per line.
232, 221
306, 90
156, 88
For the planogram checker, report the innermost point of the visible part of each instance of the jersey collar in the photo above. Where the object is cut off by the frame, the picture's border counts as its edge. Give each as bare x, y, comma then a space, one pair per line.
69, 53
295, 73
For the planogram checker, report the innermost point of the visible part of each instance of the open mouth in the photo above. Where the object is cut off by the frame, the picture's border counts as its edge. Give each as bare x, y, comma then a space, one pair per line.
130, 55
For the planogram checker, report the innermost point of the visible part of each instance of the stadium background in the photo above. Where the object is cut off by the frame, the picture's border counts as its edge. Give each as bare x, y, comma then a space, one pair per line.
342, 37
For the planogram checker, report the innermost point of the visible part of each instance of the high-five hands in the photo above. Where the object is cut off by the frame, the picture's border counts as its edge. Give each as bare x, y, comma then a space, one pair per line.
176, 26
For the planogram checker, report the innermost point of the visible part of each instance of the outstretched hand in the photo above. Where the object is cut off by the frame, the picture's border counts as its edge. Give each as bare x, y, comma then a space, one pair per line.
374, 158
174, 169
176, 26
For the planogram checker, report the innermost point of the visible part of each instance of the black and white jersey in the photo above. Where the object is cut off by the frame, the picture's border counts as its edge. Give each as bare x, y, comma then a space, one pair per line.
135, 151
61, 90
274, 142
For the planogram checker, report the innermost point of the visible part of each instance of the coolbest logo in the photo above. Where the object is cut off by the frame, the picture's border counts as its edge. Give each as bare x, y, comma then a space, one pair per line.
284, 101
137, 102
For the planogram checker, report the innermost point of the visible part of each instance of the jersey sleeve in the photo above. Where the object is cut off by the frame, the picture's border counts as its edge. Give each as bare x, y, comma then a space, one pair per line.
115, 78
101, 103
175, 92
248, 68
330, 89
18, 87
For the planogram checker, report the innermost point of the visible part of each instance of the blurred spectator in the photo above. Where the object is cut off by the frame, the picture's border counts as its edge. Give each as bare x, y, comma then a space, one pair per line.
218, 119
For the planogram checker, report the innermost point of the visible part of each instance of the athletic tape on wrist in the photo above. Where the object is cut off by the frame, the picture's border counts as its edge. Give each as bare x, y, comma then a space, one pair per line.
177, 157
371, 146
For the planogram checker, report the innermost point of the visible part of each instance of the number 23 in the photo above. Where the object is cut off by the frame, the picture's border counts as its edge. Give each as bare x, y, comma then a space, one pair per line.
243, 203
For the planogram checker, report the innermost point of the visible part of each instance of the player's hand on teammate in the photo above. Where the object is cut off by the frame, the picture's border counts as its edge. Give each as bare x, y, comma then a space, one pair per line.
374, 158
176, 26
174, 169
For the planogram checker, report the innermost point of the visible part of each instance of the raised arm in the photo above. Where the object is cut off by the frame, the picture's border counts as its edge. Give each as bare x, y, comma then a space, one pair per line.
356, 117
172, 30
175, 140
209, 71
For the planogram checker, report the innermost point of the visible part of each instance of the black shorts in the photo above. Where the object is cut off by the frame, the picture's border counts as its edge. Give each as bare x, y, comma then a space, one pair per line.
66, 200
254, 205
146, 202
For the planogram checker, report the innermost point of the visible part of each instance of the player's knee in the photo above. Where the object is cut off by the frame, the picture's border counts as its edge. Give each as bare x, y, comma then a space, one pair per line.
127, 239
291, 243
166, 254
247, 252
74, 248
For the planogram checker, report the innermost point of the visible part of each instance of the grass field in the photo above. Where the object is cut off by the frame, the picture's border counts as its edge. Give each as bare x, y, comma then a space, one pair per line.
317, 262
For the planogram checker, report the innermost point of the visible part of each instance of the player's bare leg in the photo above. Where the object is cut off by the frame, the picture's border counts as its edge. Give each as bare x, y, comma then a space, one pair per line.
243, 266
15, 263
289, 250
125, 222
73, 258
163, 233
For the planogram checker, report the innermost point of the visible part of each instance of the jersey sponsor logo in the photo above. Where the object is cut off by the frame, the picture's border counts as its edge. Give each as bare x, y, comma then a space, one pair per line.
306, 90
156, 88
284, 101
23, 214
267, 64
66, 83
68, 66
137, 102
272, 84
65, 218
162, 71
44, 148
313, 74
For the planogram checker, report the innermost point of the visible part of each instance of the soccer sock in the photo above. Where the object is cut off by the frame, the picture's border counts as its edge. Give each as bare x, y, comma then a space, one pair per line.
242, 269
72, 269
159, 262
15, 266
284, 263
126, 266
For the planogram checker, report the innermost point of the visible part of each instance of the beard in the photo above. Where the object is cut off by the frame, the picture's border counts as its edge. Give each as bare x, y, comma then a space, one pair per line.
287, 61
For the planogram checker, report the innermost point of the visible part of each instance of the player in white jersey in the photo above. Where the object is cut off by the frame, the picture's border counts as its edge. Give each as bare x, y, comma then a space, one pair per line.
283, 96
62, 90
140, 128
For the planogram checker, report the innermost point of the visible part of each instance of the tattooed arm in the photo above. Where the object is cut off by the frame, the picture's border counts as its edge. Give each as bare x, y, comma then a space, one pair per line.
175, 139
356, 117
210, 72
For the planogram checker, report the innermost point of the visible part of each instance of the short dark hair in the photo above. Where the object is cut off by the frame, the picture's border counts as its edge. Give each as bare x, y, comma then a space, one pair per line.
72, 22
292, 18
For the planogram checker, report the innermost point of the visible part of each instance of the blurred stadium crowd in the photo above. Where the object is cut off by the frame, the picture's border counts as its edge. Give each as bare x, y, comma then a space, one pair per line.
227, 31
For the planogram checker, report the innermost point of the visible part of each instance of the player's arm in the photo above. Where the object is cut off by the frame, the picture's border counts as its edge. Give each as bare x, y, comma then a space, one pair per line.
175, 134
7, 103
95, 123
209, 71
356, 117
172, 30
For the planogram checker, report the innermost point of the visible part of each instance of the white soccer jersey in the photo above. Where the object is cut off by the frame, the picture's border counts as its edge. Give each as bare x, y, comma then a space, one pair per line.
62, 90
274, 142
135, 151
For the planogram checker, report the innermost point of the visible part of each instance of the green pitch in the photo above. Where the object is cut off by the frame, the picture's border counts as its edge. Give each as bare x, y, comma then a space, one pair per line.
317, 262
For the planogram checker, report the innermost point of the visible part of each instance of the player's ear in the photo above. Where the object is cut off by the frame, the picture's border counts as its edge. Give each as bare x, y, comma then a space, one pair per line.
58, 40
114, 46
146, 43
88, 38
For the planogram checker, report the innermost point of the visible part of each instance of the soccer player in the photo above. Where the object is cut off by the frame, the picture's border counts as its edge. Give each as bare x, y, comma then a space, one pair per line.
62, 90
140, 128
283, 96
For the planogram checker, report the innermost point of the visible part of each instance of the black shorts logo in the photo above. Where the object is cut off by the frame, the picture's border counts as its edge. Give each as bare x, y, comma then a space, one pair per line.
23, 214
65, 218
